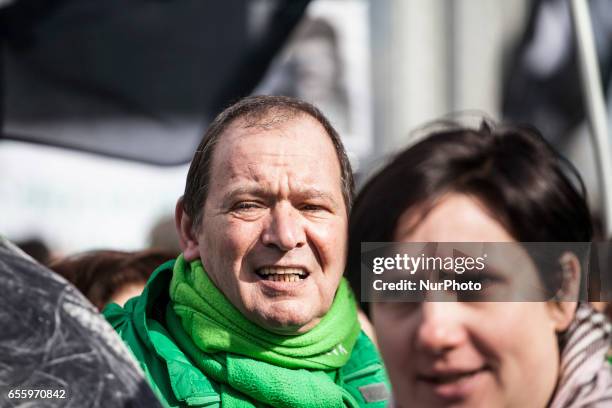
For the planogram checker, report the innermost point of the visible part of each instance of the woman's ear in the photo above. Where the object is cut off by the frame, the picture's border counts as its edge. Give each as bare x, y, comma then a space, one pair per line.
563, 308
187, 237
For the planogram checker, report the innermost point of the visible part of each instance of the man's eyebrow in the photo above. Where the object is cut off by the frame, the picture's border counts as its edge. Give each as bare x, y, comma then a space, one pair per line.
254, 190
316, 193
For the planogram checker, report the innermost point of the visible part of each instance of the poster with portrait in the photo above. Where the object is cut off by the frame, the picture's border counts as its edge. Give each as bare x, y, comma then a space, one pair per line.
327, 62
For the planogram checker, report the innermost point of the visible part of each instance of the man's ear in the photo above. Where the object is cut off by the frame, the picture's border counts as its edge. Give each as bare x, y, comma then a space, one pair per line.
563, 307
187, 238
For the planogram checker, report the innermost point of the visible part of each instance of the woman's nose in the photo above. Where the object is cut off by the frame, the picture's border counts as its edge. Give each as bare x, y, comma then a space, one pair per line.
441, 327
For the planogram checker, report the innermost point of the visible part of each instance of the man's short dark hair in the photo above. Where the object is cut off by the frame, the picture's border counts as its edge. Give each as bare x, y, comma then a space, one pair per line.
262, 111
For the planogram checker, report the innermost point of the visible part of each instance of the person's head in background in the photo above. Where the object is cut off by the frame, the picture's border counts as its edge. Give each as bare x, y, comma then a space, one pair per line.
163, 234
36, 248
472, 185
108, 276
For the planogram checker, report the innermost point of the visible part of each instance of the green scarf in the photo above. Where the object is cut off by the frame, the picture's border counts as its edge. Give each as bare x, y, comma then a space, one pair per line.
276, 370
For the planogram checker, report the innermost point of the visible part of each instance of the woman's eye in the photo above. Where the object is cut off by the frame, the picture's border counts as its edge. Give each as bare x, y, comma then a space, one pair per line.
488, 278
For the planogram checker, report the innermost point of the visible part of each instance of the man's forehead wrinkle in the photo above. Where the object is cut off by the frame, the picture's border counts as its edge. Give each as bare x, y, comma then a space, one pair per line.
282, 156
253, 173
287, 128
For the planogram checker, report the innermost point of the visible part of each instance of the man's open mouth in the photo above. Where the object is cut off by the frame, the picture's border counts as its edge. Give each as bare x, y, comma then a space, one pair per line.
282, 274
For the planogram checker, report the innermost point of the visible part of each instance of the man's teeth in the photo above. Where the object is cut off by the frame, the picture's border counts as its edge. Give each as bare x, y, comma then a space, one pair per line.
283, 278
282, 274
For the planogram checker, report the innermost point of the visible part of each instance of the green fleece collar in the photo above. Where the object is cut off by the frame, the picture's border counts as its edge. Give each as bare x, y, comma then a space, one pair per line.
189, 385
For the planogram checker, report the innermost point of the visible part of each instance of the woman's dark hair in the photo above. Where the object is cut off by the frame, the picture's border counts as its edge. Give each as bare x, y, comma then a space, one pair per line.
513, 171
99, 274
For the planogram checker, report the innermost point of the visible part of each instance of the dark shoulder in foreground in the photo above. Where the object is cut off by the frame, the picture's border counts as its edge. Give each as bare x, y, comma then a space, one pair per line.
55, 349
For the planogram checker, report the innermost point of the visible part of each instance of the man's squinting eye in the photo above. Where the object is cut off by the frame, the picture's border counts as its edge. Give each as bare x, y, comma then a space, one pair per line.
246, 206
313, 207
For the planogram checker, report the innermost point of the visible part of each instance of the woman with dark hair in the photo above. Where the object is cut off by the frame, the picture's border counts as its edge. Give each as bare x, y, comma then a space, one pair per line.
484, 185
110, 276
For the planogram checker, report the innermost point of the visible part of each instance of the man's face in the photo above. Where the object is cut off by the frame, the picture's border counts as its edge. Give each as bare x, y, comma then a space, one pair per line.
274, 227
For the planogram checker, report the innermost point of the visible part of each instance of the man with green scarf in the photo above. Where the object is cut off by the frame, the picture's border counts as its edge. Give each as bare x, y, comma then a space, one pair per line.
255, 312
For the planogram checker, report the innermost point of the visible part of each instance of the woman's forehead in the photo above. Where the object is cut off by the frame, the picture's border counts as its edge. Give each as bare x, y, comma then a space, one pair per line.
453, 218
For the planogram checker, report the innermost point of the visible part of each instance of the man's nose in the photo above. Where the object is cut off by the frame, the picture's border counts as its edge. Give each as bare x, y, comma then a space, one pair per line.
441, 327
285, 229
